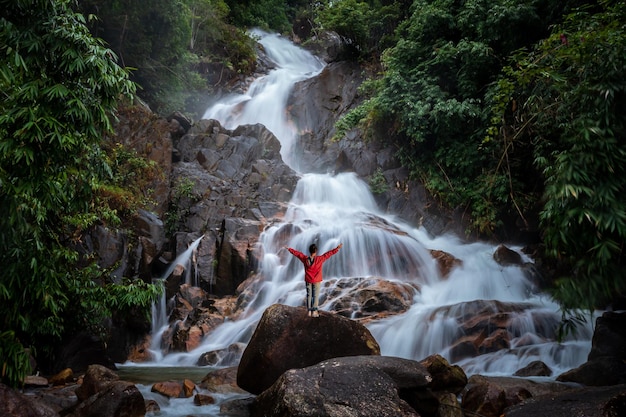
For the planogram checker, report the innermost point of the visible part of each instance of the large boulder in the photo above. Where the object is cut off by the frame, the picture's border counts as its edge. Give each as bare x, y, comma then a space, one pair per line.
606, 363
349, 386
95, 380
286, 338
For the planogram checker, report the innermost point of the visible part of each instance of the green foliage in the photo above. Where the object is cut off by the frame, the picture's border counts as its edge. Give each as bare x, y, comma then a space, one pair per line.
378, 182
571, 92
15, 363
265, 14
365, 24
182, 198
434, 101
125, 188
59, 88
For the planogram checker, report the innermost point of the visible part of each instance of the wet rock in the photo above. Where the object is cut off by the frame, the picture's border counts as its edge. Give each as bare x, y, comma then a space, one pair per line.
203, 399
227, 356
484, 325
446, 262
507, 257
286, 338
367, 298
358, 385
192, 317
222, 381
535, 368
169, 389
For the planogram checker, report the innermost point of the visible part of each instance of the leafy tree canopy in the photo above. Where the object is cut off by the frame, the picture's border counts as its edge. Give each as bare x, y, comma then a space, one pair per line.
59, 87
511, 110
565, 99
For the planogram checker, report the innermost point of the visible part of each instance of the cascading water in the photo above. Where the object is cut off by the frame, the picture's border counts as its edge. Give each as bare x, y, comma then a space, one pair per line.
378, 247
266, 99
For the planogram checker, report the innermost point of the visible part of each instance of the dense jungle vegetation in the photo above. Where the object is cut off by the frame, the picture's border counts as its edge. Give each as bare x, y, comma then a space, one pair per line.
508, 109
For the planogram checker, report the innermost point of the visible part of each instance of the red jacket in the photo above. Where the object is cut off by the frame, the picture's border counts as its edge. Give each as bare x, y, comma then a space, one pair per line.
313, 272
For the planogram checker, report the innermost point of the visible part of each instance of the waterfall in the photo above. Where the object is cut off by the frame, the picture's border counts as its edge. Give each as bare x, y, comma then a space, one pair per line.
332, 209
159, 308
266, 99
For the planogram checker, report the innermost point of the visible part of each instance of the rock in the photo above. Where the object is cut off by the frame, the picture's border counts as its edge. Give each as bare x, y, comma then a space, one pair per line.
507, 257
60, 398
239, 407
119, 398
15, 404
535, 368
222, 381
150, 136
35, 381
227, 356
587, 402
188, 388
62, 377
95, 380
367, 298
484, 325
606, 363
446, 262
445, 377
152, 407
203, 399
349, 386
609, 336
601, 371
193, 318
286, 338
490, 396
315, 104
231, 184
448, 405
169, 389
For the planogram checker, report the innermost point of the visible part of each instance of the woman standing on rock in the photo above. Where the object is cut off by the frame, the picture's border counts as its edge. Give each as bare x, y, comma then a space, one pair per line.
313, 274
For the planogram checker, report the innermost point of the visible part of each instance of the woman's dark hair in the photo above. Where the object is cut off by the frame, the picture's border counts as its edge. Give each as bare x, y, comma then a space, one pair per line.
313, 248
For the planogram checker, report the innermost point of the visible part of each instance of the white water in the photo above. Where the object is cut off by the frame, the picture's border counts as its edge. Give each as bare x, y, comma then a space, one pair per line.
332, 209
266, 99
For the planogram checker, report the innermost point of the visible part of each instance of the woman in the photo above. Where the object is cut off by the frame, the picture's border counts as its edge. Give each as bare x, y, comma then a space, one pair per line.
313, 274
